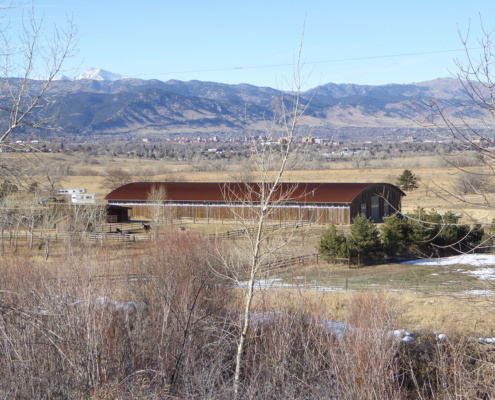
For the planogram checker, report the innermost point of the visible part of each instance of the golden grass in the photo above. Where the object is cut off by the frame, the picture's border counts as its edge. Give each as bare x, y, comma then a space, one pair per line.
438, 313
475, 314
435, 181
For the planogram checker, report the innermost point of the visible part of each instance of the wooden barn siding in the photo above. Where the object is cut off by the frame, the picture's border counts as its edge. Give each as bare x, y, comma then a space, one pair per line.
393, 197
338, 215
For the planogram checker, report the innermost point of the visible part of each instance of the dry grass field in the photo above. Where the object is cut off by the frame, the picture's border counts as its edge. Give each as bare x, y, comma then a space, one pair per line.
435, 181
420, 311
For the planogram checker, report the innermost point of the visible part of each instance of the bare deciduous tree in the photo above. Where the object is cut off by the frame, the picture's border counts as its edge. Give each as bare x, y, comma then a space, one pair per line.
253, 204
116, 177
473, 136
30, 63
156, 196
25, 97
54, 174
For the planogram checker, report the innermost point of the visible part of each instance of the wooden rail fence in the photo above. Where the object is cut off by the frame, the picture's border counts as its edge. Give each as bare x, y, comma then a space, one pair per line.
239, 233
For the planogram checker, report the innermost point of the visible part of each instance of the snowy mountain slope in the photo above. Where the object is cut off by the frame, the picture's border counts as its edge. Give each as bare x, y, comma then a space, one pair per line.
98, 74
95, 74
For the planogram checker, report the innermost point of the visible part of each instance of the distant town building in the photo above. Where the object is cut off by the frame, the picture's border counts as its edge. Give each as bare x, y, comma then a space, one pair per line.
309, 140
283, 140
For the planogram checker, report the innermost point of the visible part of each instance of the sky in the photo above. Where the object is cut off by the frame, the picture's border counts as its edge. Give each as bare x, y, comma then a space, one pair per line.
256, 42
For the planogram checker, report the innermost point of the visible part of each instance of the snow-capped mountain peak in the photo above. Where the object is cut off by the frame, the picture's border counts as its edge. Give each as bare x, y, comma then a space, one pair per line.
95, 74
99, 75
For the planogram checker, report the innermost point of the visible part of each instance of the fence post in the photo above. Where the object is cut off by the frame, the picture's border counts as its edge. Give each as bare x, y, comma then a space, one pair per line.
359, 260
349, 262
346, 284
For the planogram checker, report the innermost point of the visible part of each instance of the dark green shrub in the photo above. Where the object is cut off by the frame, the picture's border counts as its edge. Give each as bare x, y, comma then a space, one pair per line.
332, 243
364, 238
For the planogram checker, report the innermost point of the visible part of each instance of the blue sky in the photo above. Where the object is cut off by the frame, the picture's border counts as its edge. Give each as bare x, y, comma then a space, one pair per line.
255, 42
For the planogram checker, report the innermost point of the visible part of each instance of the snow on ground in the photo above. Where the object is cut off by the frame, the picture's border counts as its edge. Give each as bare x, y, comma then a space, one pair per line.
116, 305
483, 274
476, 260
478, 292
279, 283
479, 261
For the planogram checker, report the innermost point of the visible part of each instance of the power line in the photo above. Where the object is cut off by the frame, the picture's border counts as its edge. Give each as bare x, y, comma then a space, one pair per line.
309, 62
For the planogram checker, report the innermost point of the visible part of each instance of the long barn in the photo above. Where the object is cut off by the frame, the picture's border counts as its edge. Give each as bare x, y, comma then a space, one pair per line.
315, 202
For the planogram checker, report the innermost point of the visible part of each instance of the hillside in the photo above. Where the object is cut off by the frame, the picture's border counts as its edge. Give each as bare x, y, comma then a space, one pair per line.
126, 105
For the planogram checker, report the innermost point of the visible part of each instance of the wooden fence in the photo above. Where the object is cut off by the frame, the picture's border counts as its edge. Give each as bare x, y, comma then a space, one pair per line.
106, 237
239, 233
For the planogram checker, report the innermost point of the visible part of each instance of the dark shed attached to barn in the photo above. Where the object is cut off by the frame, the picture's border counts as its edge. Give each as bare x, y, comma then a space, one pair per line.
117, 214
316, 202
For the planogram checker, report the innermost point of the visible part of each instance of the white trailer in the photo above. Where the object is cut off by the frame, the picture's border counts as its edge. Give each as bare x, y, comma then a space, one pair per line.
71, 191
83, 198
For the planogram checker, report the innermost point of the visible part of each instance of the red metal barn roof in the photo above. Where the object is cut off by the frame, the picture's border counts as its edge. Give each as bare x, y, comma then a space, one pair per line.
230, 191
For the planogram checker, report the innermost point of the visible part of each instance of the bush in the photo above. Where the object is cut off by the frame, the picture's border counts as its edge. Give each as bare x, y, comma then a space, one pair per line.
332, 244
475, 182
433, 231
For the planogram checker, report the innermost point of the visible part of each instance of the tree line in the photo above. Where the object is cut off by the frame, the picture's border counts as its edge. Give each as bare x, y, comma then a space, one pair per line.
421, 233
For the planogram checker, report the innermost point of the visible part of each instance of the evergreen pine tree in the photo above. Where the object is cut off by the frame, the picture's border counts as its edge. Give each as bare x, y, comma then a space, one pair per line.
365, 238
332, 243
407, 180
395, 235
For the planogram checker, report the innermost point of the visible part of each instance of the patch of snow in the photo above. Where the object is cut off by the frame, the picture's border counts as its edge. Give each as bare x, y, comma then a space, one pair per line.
483, 274
478, 292
403, 335
337, 328
117, 305
476, 260
440, 336
435, 274
487, 340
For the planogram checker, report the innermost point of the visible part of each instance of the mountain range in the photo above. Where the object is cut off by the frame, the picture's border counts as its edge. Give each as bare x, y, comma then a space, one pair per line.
101, 102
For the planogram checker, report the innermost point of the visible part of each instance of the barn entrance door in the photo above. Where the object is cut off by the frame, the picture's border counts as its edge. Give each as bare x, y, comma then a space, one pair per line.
375, 208
311, 216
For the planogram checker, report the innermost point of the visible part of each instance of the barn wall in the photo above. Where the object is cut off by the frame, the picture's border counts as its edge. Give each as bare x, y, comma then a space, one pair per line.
319, 215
